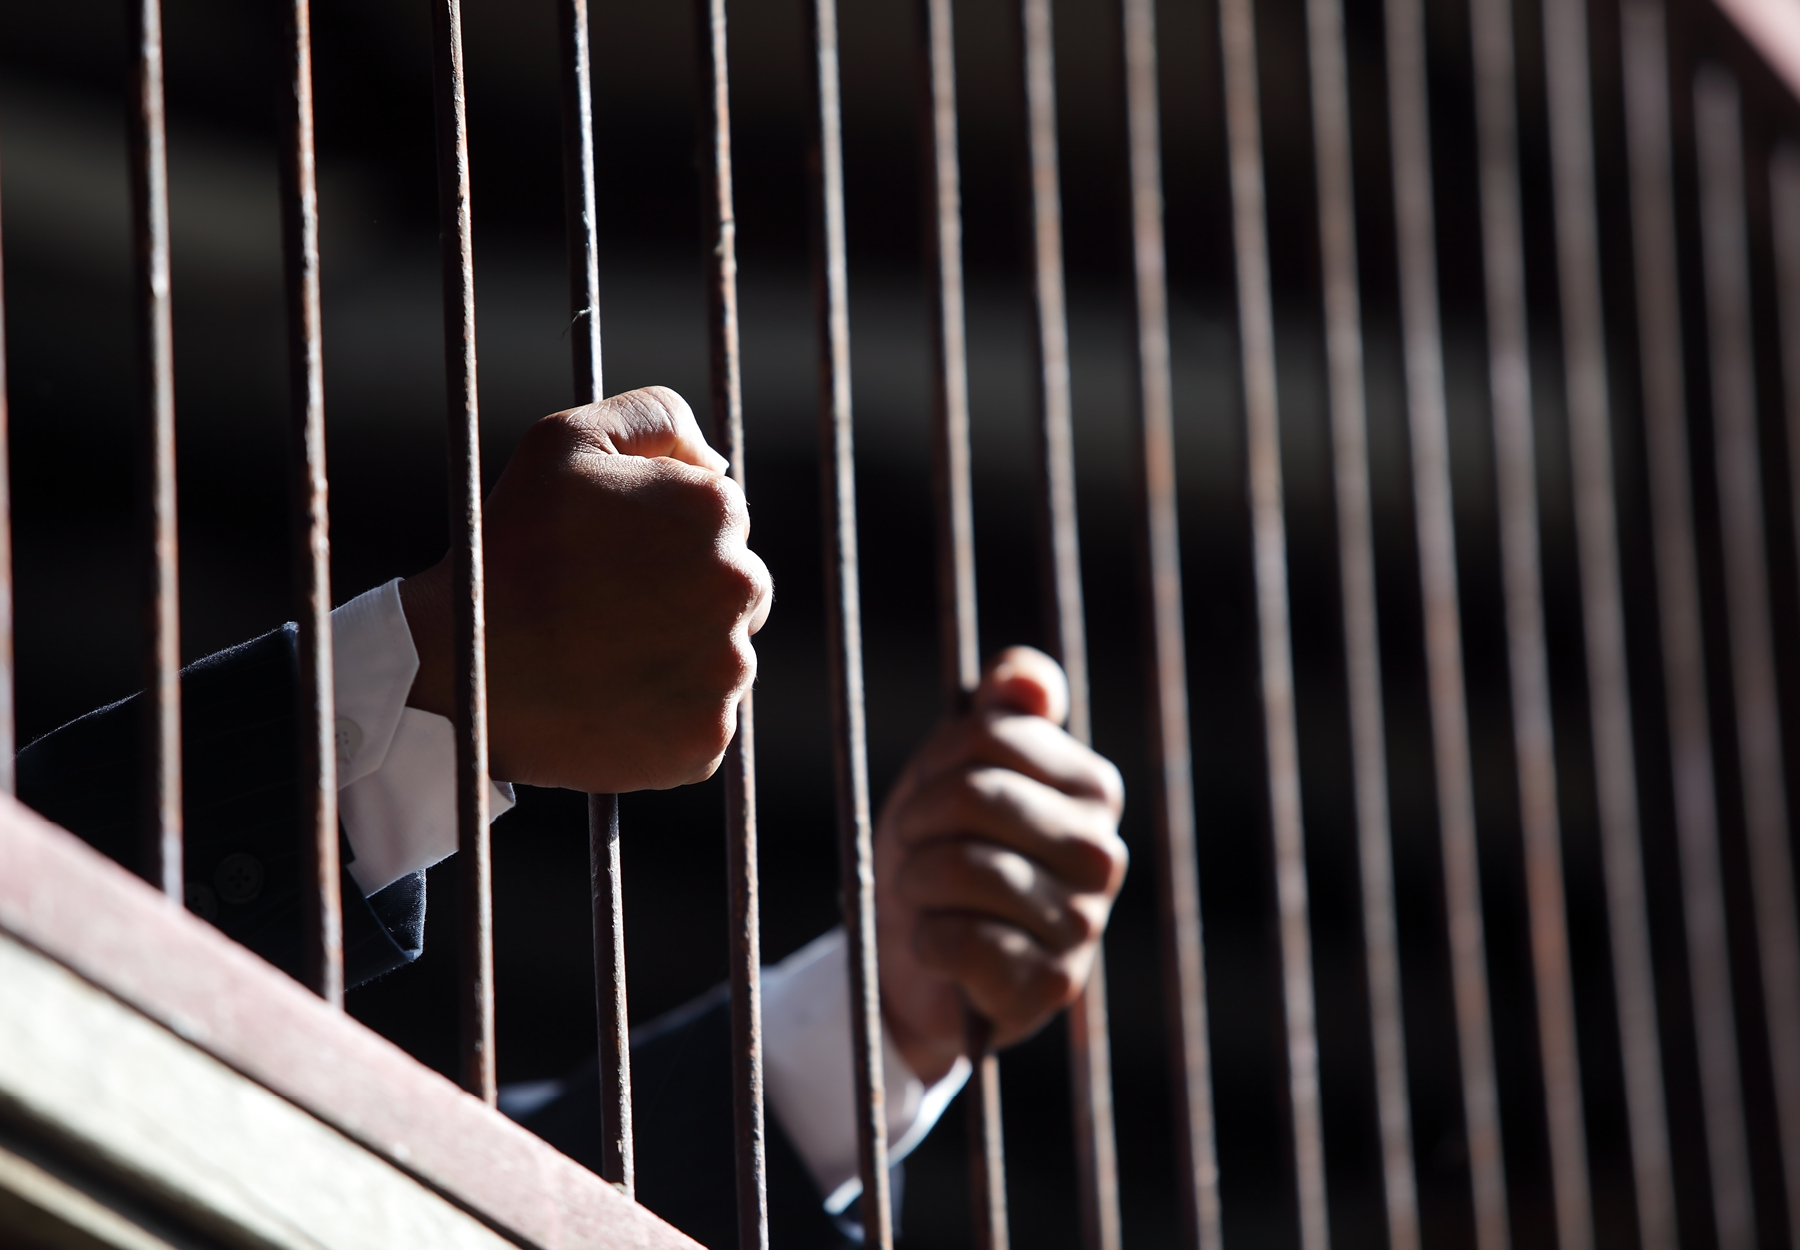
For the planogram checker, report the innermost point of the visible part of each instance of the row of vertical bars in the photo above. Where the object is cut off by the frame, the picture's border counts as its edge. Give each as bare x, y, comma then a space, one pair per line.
1718, 131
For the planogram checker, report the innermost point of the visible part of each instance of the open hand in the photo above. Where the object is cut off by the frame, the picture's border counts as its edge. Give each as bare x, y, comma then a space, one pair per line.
620, 602
997, 860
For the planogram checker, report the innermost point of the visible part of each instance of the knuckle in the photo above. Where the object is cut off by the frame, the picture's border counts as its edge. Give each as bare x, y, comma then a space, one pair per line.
1085, 921
1057, 982
1112, 787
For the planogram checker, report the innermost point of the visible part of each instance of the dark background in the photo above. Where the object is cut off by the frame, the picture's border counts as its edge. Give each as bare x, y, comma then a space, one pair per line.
69, 321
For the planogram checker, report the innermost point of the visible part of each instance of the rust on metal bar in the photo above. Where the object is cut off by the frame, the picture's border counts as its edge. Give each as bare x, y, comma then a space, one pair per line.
1184, 966
1603, 613
475, 986
1415, 226
1648, 133
8, 734
719, 217
1784, 197
607, 894
1737, 462
321, 907
987, 1152
1515, 463
1090, 1057
1256, 335
1356, 572
959, 647
856, 855
156, 459
581, 227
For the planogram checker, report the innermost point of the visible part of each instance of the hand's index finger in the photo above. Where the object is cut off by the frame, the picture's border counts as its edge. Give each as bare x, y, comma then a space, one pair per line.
652, 421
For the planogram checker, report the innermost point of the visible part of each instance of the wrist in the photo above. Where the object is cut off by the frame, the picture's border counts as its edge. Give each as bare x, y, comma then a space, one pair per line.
425, 599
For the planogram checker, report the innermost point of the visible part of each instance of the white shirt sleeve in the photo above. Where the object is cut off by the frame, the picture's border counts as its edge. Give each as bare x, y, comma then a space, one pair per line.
396, 764
397, 803
809, 1077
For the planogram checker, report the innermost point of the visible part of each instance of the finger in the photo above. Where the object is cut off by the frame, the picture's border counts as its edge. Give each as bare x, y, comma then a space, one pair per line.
1025, 744
765, 600
1024, 679
652, 421
982, 879
1007, 977
1073, 838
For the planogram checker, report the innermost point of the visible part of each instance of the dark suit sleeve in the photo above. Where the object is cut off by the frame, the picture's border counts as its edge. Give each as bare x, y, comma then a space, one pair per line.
686, 1167
240, 803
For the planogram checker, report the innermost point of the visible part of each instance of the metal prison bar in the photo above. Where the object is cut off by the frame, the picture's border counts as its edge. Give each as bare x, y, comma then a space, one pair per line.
1657, 84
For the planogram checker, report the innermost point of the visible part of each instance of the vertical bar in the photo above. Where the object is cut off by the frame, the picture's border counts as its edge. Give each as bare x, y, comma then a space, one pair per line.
1184, 965
321, 908
475, 875
831, 292
1362, 648
1648, 138
1410, 138
1515, 462
952, 496
987, 1155
959, 646
1784, 195
156, 461
1784, 192
581, 226
1603, 614
720, 218
1090, 1058
1737, 461
607, 897
8, 735
1256, 331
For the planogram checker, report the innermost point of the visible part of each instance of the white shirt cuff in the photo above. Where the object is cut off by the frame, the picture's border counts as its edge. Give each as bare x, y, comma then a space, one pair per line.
396, 764
808, 1073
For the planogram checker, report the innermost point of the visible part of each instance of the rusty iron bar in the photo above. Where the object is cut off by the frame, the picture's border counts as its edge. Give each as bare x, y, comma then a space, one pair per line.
315, 697
1737, 463
156, 460
959, 647
856, 856
1333, 154
606, 895
1415, 226
8, 733
581, 229
987, 1155
719, 216
1515, 464
1648, 133
1784, 191
475, 983
1090, 1056
1256, 334
1603, 613
1184, 964
1784, 204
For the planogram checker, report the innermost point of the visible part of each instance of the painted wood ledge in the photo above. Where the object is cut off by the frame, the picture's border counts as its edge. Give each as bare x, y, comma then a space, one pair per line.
68, 909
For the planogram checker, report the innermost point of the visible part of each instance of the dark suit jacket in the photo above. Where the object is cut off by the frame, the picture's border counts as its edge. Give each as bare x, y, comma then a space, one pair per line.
242, 864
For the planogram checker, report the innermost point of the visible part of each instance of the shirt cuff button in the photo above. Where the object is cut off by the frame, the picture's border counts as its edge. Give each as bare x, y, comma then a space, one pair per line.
349, 739
239, 878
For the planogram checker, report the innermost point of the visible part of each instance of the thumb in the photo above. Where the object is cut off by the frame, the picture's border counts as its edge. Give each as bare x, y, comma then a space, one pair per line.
1024, 680
653, 421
